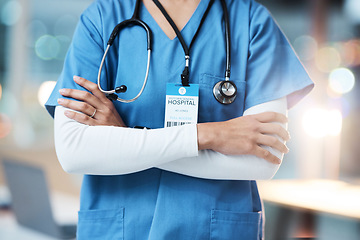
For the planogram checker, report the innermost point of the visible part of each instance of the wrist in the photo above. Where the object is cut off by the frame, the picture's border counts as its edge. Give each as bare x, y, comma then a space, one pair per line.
205, 135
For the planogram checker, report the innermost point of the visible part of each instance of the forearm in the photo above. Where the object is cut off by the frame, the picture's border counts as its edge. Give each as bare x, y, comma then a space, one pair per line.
213, 165
107, 150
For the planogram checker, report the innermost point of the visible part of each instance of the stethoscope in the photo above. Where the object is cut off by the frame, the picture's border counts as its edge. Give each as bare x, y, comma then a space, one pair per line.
224, 91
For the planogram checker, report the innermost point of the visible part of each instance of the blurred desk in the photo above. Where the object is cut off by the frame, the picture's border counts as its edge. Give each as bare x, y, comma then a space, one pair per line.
326, 196
64, 209
11, 230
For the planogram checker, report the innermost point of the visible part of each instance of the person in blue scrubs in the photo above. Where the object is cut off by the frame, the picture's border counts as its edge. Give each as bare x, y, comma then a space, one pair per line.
154, 203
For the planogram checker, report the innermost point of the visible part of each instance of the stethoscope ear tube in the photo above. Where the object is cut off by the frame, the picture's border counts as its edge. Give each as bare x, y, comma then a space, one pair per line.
112, 93
125, 23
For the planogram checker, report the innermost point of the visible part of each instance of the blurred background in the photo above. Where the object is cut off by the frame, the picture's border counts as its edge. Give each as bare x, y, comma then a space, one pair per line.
315, 194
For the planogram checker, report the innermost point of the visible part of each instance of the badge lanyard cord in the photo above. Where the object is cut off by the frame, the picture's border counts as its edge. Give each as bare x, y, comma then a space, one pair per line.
185, 73
224, 91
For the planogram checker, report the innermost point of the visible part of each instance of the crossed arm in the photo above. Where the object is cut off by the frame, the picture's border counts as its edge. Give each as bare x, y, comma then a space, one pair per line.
245, 148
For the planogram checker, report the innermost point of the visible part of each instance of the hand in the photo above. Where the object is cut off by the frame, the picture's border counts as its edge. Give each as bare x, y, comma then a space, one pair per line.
244, 135
90, 103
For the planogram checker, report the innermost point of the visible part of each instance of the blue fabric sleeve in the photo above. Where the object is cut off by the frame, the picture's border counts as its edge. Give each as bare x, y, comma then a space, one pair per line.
83, 57
273, 69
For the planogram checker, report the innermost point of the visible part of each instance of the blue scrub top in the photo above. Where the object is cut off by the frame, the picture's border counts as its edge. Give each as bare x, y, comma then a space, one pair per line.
157, 204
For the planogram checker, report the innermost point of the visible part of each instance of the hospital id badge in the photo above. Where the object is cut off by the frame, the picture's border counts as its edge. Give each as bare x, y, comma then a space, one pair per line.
182, 104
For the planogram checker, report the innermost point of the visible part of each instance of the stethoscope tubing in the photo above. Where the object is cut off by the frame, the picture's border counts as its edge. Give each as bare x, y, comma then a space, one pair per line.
134, 20
113, 91
227, 39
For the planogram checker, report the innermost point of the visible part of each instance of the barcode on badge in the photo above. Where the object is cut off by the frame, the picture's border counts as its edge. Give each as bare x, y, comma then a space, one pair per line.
174, 124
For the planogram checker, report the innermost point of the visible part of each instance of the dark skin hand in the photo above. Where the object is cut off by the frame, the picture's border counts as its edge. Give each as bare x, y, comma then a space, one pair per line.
238, 136
106, 113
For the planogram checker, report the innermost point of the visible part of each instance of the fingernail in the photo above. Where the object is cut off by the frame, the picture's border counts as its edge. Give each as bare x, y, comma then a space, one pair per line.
60, 100
69, 114
62, 91
76, 78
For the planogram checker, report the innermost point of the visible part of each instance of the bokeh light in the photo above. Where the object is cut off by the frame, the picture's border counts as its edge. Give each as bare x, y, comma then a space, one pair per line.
327, 58
5, 125
305, 47
47, 47
334, 122
352, 8
11, 12
349, 52
341, 80
45, 91
318, 122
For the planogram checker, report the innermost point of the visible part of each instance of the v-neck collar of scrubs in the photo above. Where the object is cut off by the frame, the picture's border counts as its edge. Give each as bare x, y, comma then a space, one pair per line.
188, 31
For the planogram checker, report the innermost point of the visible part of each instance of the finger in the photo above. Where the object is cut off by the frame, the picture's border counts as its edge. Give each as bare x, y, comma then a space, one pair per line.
80, 117
82, 96
82, 107
273, 128
272, 142
267, 117
92, 87
265, 154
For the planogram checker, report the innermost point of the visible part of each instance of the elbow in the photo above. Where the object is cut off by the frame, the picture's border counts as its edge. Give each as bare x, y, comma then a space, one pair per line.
66, 153
267, 170
67, 136
67, 167
66, 160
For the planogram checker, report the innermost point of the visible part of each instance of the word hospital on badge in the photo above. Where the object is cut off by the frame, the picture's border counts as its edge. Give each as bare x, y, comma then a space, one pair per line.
182, 104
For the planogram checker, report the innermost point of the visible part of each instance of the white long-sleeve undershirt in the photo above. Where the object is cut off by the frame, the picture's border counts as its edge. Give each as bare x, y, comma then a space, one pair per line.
108, 150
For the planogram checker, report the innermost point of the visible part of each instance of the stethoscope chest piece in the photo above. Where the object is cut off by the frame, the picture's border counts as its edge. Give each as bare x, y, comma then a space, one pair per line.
225, 92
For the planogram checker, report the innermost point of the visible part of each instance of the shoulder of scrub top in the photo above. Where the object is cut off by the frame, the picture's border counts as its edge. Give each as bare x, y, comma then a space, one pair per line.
270, 51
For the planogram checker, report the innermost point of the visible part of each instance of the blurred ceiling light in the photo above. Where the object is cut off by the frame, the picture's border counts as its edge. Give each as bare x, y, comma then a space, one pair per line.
5, 125
341, 80
318, 122
327, 58
334, 123
47, 47
352, 9
11, 12
306, 47
45, 91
